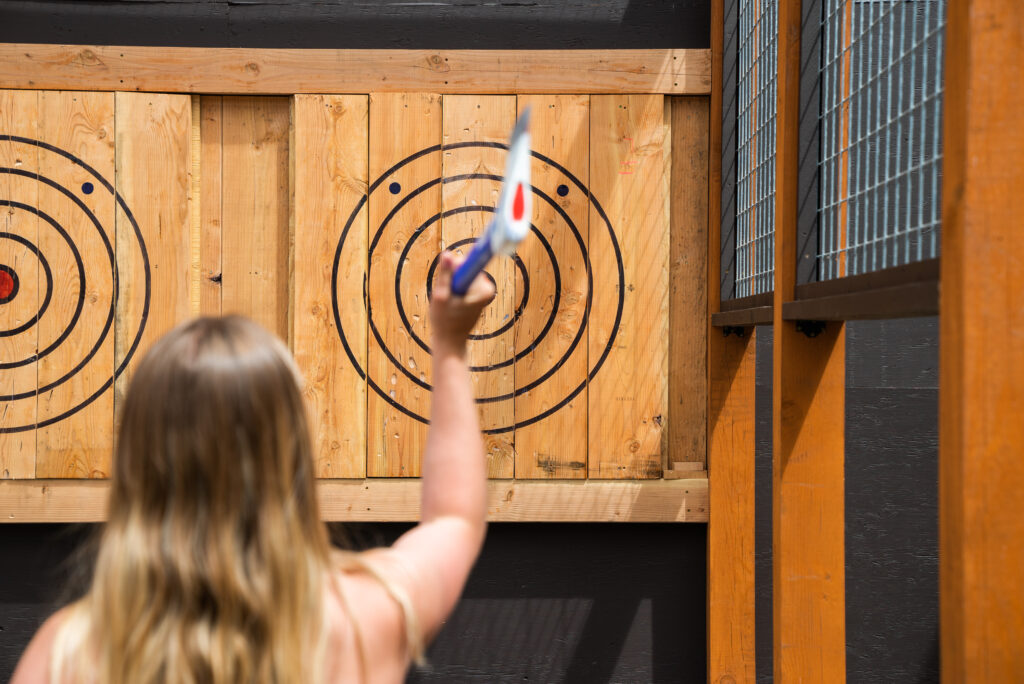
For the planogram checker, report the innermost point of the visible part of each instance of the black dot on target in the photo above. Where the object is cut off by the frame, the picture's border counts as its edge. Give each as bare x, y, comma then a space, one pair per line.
395, 188
8, 284
562, 190
87, 188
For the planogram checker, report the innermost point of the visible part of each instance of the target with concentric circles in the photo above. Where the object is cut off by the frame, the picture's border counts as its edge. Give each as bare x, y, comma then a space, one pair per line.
413, 235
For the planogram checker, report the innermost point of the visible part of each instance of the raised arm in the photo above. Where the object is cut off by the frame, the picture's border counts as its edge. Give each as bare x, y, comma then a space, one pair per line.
433, 559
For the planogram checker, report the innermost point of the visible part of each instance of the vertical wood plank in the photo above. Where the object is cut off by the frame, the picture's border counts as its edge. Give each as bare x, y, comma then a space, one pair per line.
401, 124
80, 444
731, 424
211, 137
808, 376
981, 361
628, 398
154, 133
560, 128
330, 161
19, 116
474, 118
730, 433
688, 381
255, 229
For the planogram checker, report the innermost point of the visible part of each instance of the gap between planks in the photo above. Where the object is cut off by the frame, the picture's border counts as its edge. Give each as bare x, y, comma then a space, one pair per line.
288, 71
398, 500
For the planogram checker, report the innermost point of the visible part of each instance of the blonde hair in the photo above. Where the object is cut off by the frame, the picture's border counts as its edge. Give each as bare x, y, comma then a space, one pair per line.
213, 564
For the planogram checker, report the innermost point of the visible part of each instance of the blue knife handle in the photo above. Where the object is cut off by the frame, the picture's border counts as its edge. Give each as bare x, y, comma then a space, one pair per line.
471, 267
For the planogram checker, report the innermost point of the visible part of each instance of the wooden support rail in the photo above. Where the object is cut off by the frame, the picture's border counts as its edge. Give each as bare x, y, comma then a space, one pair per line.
730, 420
398, 500
285, 71
981, 346
807, 432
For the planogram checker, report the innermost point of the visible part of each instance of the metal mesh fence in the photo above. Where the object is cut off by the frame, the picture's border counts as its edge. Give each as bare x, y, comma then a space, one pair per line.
880, 122
755, 146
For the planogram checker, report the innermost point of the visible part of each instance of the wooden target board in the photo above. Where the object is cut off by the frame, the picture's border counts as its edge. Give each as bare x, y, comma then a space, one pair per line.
323, 218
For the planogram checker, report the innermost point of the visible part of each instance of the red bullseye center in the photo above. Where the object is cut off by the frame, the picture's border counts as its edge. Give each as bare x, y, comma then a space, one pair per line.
6, 284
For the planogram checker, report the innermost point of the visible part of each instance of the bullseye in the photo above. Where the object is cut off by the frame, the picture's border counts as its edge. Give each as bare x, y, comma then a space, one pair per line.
58, 248
8, 284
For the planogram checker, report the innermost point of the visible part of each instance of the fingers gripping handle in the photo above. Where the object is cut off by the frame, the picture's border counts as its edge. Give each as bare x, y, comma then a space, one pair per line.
471, 267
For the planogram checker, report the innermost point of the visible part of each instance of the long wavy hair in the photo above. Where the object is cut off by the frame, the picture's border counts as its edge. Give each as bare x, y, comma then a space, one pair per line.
213, 564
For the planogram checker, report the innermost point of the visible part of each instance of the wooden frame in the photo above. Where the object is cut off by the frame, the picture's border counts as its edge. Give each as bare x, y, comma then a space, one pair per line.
981, 357
730, 415
285, 71
398, 500
808, 414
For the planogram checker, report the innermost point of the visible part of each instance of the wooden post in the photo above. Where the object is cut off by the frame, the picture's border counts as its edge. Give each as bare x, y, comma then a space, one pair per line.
981, 362
730, 429
807, 432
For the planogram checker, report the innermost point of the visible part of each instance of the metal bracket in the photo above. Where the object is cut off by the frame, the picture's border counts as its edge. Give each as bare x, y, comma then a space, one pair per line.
810, 328
738, 331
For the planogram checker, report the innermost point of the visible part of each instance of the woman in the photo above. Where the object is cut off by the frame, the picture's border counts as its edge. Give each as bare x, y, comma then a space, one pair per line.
214, 566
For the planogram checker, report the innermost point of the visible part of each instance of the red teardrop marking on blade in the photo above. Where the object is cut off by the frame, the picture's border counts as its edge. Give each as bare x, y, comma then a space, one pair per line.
518, 204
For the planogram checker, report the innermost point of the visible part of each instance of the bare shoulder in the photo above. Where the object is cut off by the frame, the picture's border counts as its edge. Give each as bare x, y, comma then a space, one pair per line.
34, 665
365, 605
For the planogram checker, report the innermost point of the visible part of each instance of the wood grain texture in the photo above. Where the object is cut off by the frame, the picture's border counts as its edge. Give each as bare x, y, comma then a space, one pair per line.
211, 202
471, 118
560, 129
629, 159
154, 134
19, 115
287, 71
808, 408
981, 362
401, 125
330, 156
688, 346
398, 500
731, 427
255, 229
80, 444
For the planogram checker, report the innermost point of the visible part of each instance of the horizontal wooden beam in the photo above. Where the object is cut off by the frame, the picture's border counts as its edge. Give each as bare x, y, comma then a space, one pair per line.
398, 500
758, 315
288, 71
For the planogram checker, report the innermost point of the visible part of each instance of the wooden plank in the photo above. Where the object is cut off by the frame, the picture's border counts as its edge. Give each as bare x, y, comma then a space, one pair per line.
981, 358
808, 409
330, 160
730, 434
560, 128
401, 125
19, 116
255, 229
79, 444
628, 397
687, 375
288, 71
398, 500
468, 119
154, 134
211, 202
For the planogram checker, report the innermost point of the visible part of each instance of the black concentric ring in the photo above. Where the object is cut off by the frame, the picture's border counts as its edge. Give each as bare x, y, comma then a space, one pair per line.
119, 202
620, 287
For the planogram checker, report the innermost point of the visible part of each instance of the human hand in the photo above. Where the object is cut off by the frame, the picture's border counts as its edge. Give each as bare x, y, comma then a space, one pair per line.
452, 317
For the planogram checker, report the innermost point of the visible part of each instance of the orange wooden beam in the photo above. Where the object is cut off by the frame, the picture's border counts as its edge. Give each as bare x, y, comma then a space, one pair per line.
807, 433
981, 362
730, 577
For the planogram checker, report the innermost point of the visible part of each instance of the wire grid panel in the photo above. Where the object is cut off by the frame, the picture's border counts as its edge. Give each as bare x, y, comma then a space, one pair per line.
881, 121
757, 98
